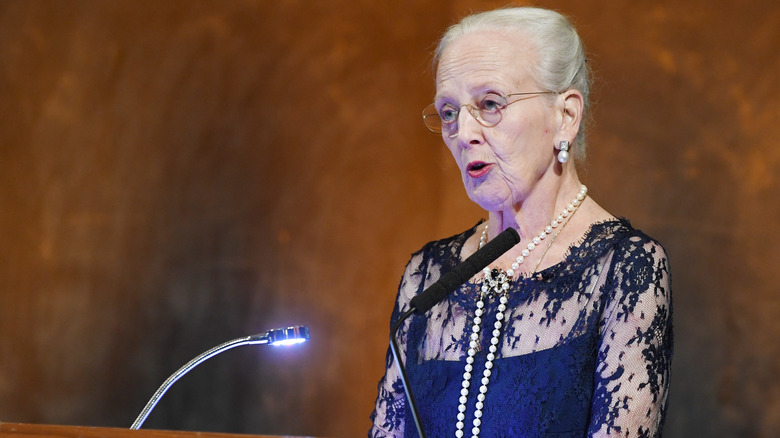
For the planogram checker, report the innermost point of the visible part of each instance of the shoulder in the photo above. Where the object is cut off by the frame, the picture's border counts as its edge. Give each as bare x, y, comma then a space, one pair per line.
641, 269
618, 236
635, 259
444, 251
633, 245
433, 258
617, 240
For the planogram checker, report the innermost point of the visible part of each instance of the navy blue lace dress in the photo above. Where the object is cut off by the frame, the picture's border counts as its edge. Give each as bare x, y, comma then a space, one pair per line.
585, 350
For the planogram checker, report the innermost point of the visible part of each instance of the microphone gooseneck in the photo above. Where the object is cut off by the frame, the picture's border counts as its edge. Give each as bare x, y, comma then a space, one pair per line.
437, 291
283, 336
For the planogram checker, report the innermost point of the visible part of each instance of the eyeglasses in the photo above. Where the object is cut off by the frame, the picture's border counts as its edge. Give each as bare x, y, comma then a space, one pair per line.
488, 113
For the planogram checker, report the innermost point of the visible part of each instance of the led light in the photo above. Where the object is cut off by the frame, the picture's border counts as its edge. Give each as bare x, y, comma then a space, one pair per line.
288, 342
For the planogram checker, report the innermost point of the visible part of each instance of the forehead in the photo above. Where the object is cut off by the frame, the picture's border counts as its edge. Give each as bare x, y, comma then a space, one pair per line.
480, 60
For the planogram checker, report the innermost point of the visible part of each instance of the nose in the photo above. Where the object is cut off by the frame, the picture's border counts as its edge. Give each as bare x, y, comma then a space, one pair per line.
469, 130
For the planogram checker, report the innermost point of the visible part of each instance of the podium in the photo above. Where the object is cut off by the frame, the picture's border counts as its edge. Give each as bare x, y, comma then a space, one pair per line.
22, 430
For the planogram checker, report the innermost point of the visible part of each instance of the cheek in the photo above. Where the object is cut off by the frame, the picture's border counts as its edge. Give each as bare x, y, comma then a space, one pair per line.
454, 152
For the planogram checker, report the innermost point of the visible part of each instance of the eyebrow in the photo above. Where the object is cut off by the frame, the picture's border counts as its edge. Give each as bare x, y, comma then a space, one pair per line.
481, 93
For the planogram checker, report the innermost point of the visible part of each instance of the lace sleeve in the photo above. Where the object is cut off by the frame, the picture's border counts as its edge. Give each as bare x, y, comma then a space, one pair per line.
388, 417
635, 349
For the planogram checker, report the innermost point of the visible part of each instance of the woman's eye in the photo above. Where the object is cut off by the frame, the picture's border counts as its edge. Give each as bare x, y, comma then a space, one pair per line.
492, 103
448, 113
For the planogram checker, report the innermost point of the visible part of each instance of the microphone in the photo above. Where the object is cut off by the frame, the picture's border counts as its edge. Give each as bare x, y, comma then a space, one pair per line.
437, 291
461, 273
282, 336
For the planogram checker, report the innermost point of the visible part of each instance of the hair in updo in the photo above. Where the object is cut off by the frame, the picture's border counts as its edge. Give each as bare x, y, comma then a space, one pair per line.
561, 57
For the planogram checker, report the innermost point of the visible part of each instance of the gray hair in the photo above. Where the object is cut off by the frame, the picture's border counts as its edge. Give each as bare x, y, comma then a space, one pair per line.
561, 57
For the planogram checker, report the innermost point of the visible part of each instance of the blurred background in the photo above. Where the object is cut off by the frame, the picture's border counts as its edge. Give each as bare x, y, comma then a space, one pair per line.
174, 174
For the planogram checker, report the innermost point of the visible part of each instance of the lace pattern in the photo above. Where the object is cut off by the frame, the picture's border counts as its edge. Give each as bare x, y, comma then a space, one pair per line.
586, 350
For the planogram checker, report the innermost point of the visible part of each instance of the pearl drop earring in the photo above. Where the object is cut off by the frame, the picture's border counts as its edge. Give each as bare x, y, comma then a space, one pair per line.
563, 155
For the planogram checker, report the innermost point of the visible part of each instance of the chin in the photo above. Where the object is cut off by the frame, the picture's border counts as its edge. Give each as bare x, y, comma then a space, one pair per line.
488, 201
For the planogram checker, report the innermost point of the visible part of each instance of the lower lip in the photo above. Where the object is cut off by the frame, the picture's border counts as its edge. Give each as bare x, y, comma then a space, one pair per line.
478, 173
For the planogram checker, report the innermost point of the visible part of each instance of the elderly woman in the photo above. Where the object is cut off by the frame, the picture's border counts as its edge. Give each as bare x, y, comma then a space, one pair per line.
569, 333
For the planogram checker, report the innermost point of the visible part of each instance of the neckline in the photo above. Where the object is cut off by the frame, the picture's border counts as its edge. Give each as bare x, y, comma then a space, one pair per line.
594, 229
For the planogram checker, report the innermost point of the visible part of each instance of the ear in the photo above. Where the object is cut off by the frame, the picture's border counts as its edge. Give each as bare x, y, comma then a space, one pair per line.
571, 105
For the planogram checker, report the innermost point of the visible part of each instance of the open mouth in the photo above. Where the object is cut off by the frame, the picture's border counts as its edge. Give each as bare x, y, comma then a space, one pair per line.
478, 168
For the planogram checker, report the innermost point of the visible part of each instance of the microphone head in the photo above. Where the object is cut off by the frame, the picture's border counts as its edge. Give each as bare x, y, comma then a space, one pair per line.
465, 270
288, 336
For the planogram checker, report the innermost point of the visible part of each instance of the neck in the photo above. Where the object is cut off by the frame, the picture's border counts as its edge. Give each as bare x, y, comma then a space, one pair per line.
539, 206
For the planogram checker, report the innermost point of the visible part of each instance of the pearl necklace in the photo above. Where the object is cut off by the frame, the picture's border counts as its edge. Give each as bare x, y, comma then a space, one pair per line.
496, 282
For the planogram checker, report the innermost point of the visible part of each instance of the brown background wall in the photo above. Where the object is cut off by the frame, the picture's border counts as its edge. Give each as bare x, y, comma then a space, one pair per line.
174, 174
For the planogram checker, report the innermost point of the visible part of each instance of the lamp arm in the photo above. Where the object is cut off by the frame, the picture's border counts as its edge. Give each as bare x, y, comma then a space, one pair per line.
248, 340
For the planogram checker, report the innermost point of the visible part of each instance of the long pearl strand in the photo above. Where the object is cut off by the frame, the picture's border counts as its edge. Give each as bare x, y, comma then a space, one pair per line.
496, 282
